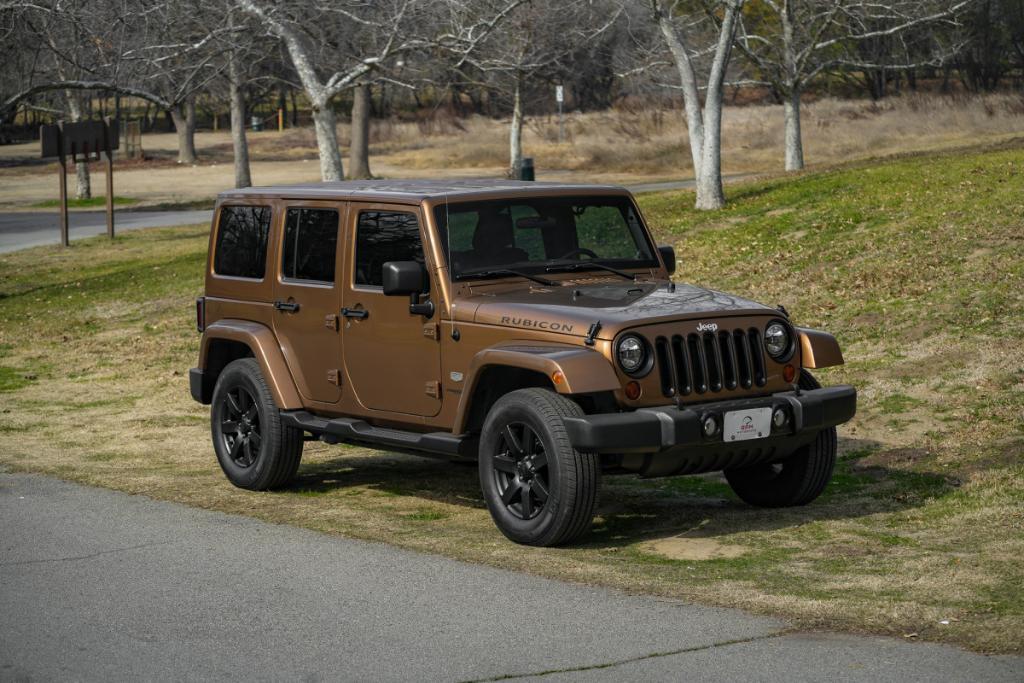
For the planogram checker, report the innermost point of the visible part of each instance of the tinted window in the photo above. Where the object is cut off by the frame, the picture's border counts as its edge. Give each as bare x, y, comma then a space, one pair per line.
310, 244
383, 236
241, 249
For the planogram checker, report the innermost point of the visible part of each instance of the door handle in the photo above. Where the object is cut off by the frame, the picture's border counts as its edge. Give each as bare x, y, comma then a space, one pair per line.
291, 306
355, 313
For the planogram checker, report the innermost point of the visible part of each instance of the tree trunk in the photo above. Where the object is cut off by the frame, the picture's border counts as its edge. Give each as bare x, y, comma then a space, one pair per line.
184, 124
243, 177
84, 183
325, 124
710, 194
515, 136
688, 81
359, 150
794, 142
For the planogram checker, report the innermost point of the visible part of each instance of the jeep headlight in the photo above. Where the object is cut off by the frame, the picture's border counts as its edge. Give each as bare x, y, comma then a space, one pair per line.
777, 340
631, 352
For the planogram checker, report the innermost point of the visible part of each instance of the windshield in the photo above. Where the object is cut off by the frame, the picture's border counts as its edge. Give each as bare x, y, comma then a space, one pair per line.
542, 234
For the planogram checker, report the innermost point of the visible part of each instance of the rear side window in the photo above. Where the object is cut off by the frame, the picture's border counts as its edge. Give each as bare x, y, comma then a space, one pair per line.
310, 244
383, 236
241, 249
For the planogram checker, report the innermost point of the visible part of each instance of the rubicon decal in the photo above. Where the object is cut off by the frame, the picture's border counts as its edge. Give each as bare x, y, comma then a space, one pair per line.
707, 327
536, 324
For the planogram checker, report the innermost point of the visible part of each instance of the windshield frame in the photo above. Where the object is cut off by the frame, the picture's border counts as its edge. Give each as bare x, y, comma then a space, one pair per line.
441, 206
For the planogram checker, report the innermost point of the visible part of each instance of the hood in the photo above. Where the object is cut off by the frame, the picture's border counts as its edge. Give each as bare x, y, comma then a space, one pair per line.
573, 307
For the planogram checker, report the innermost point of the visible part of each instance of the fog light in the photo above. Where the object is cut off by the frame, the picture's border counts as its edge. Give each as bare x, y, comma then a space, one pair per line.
780, 418
710, 425
633, 391
788, 373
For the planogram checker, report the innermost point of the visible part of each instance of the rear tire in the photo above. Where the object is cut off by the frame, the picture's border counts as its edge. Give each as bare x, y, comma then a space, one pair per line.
539, 489
253, 448
798, 479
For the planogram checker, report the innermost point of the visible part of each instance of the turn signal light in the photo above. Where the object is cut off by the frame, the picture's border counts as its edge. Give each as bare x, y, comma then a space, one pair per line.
558, 377
633, 390
789, 373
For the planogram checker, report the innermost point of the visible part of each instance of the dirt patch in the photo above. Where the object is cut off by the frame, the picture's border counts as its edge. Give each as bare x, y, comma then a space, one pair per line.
686, 548
892, 457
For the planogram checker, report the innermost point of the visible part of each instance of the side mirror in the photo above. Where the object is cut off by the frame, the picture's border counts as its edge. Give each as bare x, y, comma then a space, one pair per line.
668, 256
401, 278
404, 278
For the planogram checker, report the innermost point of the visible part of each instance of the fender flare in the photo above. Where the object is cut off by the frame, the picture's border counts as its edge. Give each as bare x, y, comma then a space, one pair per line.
265, 349
819, 349
583, 370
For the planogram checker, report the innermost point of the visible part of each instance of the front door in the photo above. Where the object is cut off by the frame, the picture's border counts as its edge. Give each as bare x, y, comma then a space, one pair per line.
307, 298
392, 356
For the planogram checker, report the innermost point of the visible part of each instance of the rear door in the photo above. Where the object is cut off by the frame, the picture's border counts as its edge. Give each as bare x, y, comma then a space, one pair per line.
392, 356
307, 296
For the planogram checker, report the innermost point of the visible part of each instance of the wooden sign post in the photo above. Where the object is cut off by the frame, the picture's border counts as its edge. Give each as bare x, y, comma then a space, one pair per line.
80, 139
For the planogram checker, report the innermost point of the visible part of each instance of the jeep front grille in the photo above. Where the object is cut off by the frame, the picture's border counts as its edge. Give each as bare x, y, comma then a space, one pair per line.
710, 362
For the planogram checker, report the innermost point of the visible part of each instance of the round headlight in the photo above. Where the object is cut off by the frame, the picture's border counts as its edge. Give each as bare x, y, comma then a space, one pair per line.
776, 340
632, 353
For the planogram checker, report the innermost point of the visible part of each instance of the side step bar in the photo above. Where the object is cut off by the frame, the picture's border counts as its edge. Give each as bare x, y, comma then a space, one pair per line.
333, 430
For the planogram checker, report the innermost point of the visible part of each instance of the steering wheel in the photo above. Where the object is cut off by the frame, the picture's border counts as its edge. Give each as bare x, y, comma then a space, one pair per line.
577, 252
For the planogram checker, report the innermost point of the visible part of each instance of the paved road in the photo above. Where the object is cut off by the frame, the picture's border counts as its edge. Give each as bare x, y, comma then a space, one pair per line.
99, 585
19, 230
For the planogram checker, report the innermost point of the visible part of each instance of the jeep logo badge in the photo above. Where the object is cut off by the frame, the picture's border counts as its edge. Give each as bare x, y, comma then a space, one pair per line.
707, 327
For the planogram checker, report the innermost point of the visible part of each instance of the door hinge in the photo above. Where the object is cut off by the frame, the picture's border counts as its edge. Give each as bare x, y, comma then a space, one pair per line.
331, 321
434, 389
432, 331
334, 377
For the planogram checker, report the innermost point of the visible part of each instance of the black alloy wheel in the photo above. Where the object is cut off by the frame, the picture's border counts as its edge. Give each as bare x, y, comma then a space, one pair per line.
521, 471
538, 488
240, 427
253, 448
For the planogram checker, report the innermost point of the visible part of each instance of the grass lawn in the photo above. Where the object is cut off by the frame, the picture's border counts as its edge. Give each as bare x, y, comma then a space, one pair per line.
91, 203
916, 265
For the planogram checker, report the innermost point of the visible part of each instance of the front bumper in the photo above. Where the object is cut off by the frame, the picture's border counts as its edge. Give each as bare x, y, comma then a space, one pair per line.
679, 430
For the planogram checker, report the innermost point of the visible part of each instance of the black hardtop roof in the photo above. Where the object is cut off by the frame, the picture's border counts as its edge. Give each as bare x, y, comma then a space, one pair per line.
413, 190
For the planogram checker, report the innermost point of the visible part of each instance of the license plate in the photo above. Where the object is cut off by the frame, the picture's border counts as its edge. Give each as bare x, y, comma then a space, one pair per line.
741, 425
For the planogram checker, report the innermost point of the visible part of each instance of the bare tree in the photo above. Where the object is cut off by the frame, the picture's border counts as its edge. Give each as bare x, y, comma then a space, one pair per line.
397, 27
536, 44
793, 41
163, 53
680, 30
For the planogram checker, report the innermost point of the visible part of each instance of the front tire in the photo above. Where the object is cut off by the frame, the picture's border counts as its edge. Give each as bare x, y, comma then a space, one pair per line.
798, 479
539, 489
253, 448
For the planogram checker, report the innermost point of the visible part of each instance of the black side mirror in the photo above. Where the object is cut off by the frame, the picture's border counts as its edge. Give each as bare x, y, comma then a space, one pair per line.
408, 278
402, 278
668, 256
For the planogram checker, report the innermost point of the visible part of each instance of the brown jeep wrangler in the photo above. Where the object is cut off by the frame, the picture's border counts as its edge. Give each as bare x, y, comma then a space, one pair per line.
531, 327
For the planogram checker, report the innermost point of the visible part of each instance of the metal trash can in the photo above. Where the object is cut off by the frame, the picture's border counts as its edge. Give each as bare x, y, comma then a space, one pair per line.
526, 170
257, 124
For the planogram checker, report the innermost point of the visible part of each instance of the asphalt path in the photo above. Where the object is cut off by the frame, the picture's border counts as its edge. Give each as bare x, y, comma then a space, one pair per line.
19, 230
102, 586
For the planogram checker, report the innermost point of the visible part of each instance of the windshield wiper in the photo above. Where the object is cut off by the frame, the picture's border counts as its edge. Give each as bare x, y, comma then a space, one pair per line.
587, 265
507, 271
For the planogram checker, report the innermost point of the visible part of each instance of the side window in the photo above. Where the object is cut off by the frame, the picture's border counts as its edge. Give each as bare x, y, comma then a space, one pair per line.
241, 249
310, 244
383, 236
